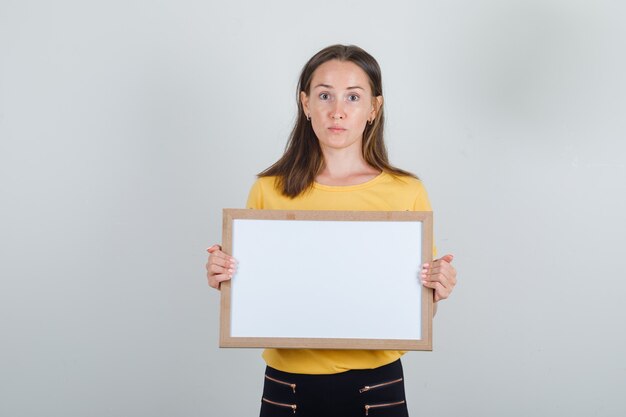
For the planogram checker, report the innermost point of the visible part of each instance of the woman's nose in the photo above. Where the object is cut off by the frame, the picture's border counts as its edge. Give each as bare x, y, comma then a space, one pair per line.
337, 112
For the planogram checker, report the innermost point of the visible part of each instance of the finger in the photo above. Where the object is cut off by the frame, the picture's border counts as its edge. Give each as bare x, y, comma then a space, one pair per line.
213, 283
444, 259
216, 280
444, 269
437, 282
216, 250
446, 282
222, 277
223, 262
218, 254
221, 258
441, 295
439, 278
448, 272
217, 270
213, 248
434, 272
217, 265
440, 292
448, 258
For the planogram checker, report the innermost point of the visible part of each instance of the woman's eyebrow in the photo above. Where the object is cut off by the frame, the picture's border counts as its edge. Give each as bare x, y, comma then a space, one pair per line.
330, 87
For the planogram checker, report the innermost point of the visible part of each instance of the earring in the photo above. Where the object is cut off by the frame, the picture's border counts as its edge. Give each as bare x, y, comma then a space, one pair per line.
370, 122
308, 117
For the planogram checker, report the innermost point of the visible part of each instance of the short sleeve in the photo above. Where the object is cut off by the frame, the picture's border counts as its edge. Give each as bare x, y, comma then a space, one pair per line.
255, 197
422, 203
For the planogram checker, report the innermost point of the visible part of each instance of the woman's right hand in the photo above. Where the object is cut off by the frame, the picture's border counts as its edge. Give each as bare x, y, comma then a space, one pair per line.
220, 266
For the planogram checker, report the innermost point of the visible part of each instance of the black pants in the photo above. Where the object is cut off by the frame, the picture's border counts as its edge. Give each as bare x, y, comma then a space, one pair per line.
367, 392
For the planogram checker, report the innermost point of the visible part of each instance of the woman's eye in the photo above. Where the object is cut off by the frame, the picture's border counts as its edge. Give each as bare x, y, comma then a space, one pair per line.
324, 96
353, 97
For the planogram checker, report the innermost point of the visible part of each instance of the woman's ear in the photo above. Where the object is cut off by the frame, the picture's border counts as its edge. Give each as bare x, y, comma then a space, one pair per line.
377, 104
304, 100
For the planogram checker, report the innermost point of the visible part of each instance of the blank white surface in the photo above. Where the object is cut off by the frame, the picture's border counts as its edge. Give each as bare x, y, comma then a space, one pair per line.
326, 279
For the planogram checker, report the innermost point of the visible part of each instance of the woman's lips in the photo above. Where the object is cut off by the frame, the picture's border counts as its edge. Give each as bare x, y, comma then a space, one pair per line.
336, 129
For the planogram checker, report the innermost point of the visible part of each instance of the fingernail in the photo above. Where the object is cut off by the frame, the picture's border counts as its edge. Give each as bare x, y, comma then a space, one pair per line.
424, 276
424, 282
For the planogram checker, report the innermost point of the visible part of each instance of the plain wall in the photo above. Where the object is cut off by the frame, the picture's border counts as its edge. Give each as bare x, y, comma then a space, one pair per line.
126, 126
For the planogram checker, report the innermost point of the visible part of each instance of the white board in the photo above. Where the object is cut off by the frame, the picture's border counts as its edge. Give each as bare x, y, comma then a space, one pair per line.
352, 279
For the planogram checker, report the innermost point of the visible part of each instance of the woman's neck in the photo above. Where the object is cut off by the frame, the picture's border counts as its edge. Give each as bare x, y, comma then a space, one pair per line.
342, 168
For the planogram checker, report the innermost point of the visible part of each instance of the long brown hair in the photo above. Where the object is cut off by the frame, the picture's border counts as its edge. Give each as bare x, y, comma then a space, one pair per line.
303, 159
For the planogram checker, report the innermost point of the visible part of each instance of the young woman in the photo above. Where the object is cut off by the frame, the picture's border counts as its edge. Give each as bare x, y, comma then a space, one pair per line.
336, 160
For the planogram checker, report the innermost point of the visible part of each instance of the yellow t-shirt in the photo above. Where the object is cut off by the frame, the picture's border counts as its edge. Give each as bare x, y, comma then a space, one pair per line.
385, 192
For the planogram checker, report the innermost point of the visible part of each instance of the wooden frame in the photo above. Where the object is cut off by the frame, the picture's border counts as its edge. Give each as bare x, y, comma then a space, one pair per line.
300, 289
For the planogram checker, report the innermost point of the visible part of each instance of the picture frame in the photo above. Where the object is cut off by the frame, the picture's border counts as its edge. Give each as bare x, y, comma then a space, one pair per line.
327, 279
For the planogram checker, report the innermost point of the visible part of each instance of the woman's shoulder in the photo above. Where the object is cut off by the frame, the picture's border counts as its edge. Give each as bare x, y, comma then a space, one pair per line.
265, 186
265, 183
405, 181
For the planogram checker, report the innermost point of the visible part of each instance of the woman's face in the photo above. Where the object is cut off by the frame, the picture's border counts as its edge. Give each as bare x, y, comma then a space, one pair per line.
339, 104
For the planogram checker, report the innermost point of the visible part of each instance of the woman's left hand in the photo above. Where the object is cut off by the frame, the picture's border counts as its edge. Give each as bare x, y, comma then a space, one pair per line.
440, 276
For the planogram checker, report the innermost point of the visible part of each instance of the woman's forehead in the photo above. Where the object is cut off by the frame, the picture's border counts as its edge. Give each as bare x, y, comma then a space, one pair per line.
340, 75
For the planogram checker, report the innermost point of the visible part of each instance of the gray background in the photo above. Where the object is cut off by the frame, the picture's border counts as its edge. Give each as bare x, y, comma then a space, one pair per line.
125, 127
